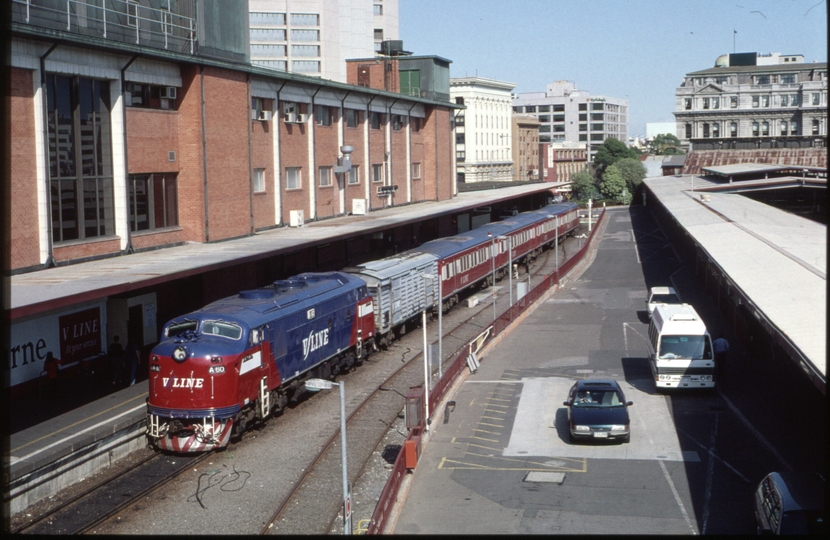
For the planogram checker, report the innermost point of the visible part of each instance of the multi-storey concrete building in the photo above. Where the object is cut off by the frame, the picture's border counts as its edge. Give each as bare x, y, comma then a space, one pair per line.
315, 37
568, 114
483, 129
749, 100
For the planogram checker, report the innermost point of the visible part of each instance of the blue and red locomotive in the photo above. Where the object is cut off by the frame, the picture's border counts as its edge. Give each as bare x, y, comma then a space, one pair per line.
242, 358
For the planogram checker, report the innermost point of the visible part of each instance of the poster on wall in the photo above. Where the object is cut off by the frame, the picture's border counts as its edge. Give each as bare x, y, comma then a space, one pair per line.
69, 335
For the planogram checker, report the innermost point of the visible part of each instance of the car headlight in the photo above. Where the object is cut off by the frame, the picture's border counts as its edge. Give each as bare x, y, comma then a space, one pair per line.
705, 377
582, 428
619, 427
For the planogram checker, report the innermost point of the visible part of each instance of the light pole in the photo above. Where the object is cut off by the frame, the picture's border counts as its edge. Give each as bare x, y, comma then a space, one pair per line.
315, 385
509, 266
493, 259
427, 277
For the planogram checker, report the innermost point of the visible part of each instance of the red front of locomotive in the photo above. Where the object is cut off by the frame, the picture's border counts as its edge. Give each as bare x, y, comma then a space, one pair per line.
203, 378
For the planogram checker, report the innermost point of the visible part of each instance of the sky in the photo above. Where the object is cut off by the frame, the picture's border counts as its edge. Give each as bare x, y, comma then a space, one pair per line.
638, 50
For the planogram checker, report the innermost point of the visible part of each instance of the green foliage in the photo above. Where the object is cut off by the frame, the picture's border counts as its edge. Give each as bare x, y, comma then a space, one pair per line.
665, 145
610, 152
633, 171
584, 186
613, 185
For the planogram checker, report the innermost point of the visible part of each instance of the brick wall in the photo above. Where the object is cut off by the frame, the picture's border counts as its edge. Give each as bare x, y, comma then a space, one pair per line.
377, 149
23, 235
437, 175
354, 137
326, 152
262, 142
190, 182
294, 153
229, 181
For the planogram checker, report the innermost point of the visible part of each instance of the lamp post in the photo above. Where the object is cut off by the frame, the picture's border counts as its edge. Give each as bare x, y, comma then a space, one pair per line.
493, 260
427, 277
315, 385
509, 266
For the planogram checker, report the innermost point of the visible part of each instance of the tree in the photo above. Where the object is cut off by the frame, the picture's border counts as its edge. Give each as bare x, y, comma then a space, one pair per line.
613, 184
610, 152
665, 145
632, 171
584, 186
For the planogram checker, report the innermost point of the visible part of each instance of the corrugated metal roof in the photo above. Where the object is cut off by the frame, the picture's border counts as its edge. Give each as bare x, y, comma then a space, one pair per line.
778, 260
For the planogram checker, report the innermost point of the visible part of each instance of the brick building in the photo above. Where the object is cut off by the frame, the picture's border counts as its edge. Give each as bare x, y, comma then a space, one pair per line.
136, 127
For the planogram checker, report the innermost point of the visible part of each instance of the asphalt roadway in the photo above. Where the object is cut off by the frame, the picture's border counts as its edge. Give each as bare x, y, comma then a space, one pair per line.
499, 461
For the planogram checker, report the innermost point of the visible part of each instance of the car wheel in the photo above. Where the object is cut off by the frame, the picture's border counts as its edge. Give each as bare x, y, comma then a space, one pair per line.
627, 438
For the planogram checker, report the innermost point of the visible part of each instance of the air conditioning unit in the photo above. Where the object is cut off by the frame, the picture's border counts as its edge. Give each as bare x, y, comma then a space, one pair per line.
302, 118
296, 218
359, 207
168, 92
290, 118
263, 115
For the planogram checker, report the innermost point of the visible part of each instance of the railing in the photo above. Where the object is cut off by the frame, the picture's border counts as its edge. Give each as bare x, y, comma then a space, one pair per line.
388, 496
118, 20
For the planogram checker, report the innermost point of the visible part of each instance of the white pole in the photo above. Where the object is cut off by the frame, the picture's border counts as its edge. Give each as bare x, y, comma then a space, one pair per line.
426, 371
440, 327
347, 518
589, 214
510, 272
556, 237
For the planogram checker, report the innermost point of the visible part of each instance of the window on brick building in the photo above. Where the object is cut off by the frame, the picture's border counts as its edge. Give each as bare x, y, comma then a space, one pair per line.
397, 122
323, 115
377, 120
794, 128
151, 96
80, 157
377, 172
715, 130
783, 127
416, 171
733, 129
352, 118
259, 180
153, 201
325, 176
354, 175
293, 178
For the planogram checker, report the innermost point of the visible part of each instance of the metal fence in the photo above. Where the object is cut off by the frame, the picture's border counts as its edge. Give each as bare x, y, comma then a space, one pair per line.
389, 495
117, 20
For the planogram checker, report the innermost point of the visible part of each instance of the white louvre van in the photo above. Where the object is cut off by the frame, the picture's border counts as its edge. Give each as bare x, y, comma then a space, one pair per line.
680, 348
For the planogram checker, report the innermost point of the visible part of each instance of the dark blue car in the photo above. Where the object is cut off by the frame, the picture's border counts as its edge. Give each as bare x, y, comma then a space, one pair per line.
597, 409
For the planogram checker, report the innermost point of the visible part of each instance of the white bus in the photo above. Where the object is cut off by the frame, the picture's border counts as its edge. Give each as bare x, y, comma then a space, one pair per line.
680, 348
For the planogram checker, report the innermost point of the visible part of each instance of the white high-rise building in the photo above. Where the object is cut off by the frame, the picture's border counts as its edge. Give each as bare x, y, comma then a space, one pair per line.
568, 114
315, 37
483, 131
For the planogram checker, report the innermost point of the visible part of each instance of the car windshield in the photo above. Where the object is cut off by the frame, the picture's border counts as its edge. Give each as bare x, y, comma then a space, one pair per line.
687, 347
598, 398
665, 299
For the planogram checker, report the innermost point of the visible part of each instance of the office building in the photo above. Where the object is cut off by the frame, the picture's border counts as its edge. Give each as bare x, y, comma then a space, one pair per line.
483, 129
753, 101
566, 113
316, 37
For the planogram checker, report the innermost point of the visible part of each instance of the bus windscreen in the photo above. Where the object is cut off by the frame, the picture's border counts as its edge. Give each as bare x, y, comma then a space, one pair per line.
685, 347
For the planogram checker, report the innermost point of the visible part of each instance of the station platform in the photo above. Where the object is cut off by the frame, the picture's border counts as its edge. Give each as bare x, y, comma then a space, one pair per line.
59, 451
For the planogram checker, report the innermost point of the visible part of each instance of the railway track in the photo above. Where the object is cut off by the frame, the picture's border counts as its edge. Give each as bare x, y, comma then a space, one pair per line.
312, 504
96, 504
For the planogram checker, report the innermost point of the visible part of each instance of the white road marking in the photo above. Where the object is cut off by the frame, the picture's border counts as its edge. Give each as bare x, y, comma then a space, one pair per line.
676, 496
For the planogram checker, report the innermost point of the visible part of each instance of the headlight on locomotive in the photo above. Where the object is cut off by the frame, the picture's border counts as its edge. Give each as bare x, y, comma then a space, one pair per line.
179, 354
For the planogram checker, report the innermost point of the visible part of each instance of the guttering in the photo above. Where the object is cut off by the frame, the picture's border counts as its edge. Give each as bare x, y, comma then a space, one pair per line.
312, 158
278, 165
129, 249
204, 154
409, 152
250, 156
50, 258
